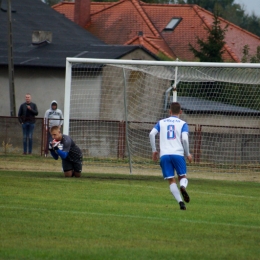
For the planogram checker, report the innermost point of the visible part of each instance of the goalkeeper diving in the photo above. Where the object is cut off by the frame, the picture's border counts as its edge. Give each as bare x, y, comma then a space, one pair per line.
64, 147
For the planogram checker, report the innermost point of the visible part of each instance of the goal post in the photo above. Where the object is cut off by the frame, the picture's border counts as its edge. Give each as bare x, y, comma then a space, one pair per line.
110, 106
67, 97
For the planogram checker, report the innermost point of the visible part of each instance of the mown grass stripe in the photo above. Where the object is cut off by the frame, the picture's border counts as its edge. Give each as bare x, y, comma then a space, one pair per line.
146, 186
131, 216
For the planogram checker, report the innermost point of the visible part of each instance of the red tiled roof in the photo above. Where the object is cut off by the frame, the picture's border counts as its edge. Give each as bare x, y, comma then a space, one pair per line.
121, 23
66, 8
153, 44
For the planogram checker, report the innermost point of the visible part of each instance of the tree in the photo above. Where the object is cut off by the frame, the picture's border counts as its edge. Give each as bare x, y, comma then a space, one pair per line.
251, 58
245, 52
211, 5
256, 57
212, 49
232, 12
252, 24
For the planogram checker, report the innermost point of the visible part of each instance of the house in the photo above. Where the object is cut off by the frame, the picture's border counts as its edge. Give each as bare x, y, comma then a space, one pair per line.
41, 40
232, 131
163, 29
224, 114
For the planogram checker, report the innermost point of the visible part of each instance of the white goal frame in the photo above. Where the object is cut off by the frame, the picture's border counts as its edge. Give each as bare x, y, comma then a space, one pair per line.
171, 64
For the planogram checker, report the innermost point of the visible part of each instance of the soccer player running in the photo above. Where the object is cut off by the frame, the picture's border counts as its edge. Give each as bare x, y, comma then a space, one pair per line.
64, 147
174, 144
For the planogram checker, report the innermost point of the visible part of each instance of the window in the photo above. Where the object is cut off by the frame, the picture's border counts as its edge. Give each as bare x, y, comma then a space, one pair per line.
172, 24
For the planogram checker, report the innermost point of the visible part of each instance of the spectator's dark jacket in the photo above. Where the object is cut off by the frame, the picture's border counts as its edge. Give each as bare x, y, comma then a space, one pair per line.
26, 115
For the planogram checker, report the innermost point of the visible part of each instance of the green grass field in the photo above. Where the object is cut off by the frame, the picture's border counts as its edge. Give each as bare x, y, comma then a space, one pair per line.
113, 216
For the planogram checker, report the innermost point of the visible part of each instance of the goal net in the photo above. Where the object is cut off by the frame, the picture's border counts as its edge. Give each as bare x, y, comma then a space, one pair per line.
112, 105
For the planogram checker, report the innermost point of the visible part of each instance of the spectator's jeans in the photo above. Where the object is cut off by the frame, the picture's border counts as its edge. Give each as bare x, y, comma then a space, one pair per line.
27, 136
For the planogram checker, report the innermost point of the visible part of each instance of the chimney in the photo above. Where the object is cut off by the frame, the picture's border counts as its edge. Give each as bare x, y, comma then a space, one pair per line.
82, 12
39, 37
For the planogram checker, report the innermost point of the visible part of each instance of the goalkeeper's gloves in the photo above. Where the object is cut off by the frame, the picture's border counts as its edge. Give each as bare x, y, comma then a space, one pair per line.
55, 145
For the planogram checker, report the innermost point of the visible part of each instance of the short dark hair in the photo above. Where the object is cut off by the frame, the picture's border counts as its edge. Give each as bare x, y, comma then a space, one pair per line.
175, 108
54, 128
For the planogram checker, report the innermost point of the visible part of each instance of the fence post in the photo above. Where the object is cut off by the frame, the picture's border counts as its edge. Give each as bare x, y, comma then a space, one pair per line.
121, 140
197, 144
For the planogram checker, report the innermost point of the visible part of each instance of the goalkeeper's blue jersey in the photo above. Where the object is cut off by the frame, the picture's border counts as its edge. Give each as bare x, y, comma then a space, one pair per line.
170, 130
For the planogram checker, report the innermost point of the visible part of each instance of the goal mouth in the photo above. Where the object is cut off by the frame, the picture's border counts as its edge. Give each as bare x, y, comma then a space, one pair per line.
112, 105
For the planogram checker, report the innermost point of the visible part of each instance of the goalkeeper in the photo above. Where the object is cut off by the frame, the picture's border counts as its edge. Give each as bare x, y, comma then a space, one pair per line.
64, 147
174, 144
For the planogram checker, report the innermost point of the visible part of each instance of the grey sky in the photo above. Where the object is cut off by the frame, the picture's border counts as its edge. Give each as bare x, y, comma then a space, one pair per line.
250, 6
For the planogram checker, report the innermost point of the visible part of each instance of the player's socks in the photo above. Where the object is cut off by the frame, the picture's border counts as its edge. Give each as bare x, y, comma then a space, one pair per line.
184, 182
175, 192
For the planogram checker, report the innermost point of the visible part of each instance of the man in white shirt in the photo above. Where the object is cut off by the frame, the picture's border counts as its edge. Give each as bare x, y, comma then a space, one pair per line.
174, 145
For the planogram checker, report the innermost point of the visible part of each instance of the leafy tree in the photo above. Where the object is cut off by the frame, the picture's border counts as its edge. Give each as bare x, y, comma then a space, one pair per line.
212, 49
211, 5
256, 57
232, 12
245, 52
251, 24
253, 58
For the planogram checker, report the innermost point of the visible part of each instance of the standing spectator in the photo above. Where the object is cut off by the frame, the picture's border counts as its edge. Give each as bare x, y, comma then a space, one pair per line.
174, 144
26, 117
52, 117
64, 147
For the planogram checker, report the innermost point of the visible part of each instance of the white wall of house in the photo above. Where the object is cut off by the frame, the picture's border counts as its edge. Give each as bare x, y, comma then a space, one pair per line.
138, 54
222, 120
44, 85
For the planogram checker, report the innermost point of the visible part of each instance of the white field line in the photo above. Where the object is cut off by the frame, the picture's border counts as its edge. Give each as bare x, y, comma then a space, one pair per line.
152, 187
192, 192
131, 216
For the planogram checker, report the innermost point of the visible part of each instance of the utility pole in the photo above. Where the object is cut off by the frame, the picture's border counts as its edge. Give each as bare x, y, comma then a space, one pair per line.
10, 62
